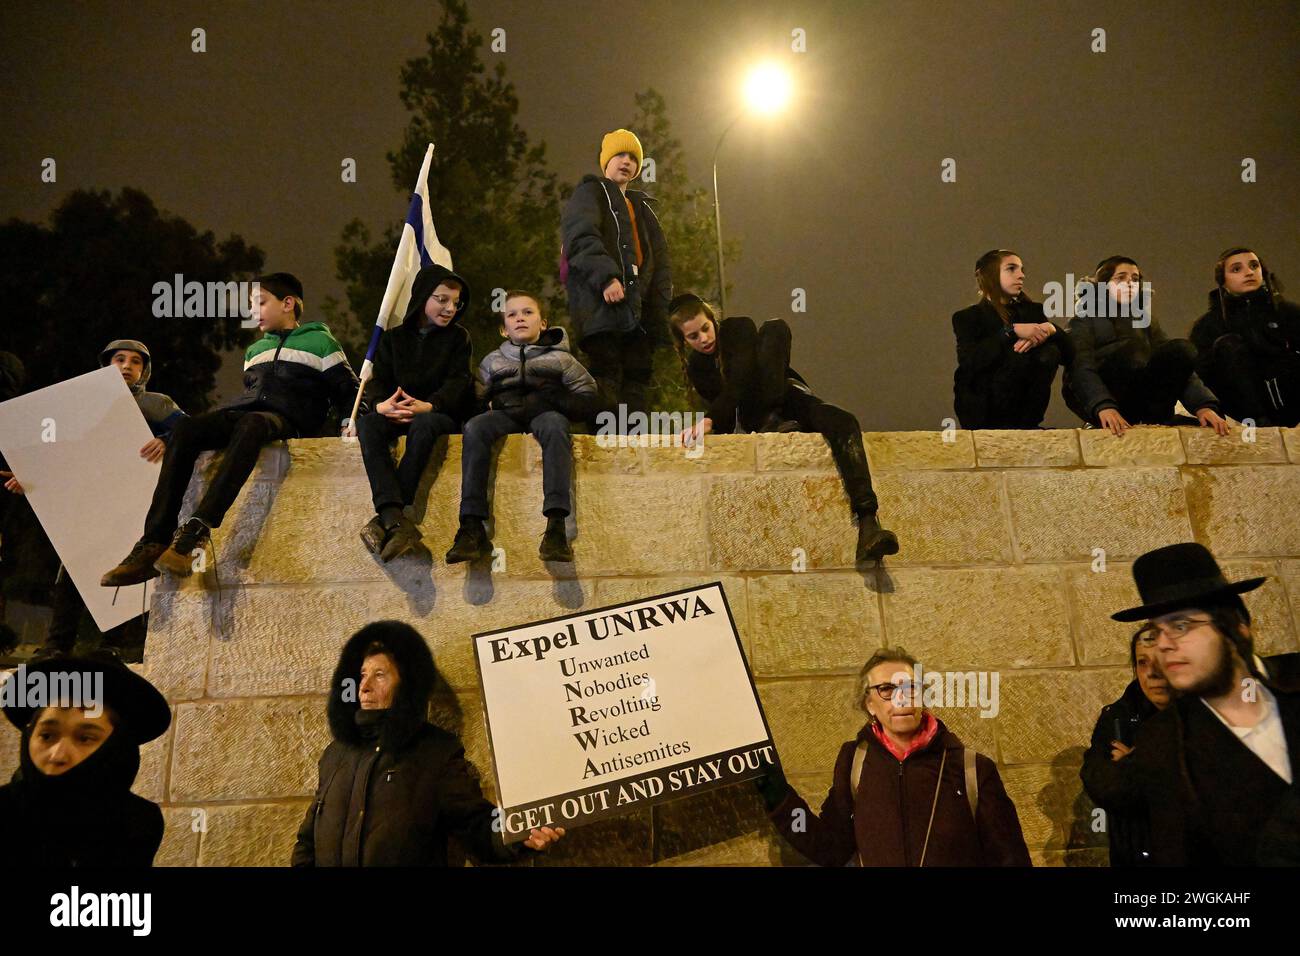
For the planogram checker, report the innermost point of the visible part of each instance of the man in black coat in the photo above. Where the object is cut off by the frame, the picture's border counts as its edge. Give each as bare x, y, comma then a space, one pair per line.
618, 278
70, 801
393, 787
1220, 762
1107, 774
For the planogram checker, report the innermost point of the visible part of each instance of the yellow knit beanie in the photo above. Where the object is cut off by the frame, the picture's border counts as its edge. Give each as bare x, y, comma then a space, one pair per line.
620, 141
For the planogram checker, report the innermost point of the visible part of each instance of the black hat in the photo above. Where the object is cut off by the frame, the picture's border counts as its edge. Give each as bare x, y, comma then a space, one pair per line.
683, 299
281, 284
1178, 576
143, 710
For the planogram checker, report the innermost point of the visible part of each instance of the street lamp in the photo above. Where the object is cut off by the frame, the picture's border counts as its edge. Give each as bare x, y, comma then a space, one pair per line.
767, 90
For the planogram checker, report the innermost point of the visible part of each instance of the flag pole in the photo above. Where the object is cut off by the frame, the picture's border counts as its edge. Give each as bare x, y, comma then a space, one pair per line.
396, 280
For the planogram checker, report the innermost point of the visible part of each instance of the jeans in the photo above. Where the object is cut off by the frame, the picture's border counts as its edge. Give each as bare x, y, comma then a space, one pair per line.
551, 429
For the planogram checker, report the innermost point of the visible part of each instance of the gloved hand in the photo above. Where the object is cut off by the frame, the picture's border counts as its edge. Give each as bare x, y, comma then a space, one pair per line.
773, 786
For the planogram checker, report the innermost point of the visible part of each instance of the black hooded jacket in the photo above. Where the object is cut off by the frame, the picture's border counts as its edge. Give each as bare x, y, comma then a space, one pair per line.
1113, 784
84, 817
392, 786
1269, 325
599, 246
983, 345
436, 366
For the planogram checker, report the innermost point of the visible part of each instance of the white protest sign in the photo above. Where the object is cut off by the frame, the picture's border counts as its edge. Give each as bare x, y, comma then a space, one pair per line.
610, 710
75, 447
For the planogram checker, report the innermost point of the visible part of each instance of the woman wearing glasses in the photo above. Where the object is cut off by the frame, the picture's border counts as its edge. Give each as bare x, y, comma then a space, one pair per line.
1110, 779
906, 792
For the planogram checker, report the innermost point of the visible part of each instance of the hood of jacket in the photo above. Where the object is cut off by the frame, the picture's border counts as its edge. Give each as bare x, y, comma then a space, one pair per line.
553, 339
611, 186
132, 345
426, 280
416, 677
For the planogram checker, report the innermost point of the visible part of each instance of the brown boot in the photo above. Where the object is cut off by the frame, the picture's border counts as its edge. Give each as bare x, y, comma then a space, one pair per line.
137, 567
179, 558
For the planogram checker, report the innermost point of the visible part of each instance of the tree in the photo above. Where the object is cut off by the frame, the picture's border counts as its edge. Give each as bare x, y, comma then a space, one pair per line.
495, 205
88, 278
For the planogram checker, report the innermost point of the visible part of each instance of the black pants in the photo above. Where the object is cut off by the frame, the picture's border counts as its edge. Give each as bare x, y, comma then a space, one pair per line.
69, 609
391, 485
1262, 388
1018, 389
1147, 388
622, 364
241, 433
755, 362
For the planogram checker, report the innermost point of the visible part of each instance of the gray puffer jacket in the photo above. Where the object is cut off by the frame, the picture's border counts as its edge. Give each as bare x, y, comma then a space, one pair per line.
508, 376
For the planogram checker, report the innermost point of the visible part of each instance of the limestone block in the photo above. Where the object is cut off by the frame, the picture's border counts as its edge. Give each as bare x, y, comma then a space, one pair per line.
1271, 620
980, 617
272, 462
945, 517
817, 621
757, 523
1044, 713
176, 648
722, 454
1084, 857
758, 848
975, 731
151, 779
893, 451
792, 451
1018, 448
1291, 438
330, 458
1144, 445
180, 843
1095, 597
247, 749
596, 455
814, 787
624, 840
1065, 515
810, 720
706, 819
1055, 812
1204, 447
251, 834
10, 741
1246, 509
236, 541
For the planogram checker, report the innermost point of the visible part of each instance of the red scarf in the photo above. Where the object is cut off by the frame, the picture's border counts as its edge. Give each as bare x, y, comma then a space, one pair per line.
929, 727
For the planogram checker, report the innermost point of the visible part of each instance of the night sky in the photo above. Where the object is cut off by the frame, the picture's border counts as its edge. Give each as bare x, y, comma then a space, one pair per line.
1064, 155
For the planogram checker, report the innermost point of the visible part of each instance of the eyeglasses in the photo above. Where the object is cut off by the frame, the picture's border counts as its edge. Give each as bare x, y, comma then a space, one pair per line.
901, 691
445, 300
1175, 630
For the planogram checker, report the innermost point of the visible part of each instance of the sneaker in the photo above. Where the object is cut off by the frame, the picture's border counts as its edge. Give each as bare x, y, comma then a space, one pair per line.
405, 537
137, 567
874, 542
179, 558
472, 542
374, 535
555, 543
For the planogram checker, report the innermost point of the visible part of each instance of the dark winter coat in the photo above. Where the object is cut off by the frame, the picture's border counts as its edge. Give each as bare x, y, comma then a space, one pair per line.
598, 246
983, 344
1269, 326
298, 374
393, 789
436, 365
706, 378
885, 823
84, 817
1213, 802
508, 375
1096, 338
1113, 784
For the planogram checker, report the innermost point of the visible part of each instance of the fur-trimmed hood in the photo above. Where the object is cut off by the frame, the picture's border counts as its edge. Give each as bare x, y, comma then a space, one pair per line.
416, 677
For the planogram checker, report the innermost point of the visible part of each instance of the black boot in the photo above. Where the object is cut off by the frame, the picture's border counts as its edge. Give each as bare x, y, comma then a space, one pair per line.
403, 538
874, 542
472, 541
555, 543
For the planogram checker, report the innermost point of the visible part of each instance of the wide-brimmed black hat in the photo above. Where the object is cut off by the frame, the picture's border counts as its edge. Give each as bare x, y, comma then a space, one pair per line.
1178, 576
142, 709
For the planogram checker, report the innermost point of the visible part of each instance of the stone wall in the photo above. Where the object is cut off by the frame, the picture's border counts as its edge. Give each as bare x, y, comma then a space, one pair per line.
999, 570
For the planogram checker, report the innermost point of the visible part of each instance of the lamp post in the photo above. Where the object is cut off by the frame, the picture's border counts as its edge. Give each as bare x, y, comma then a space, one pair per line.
766, 91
